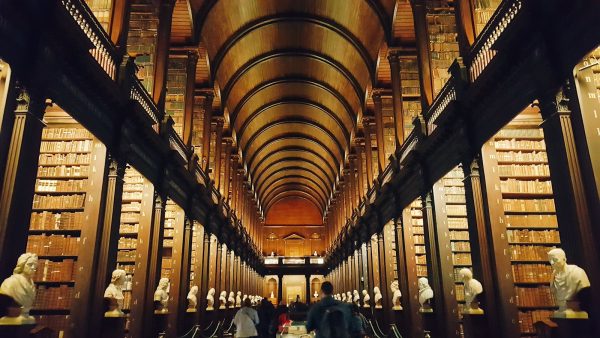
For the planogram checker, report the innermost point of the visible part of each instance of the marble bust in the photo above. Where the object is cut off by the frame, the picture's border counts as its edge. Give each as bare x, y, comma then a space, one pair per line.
396, 295
472, 288
210, 300
238, 299
231, 300
315, 295
114, 294
161, 296
192, 299
567, 280
425, 295
378, 297
349, 297
223, 300
356, 297
21, 288
343, 299
366, 299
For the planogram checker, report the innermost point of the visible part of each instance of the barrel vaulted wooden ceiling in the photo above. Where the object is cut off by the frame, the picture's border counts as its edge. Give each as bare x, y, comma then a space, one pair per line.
293, 79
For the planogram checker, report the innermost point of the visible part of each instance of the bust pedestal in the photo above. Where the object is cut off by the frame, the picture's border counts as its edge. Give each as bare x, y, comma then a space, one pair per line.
113, 327
159, 324
429, 322
557, 327
16, 330
475, 325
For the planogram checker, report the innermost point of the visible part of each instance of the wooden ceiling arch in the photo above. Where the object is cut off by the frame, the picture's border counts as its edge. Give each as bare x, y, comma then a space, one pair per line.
293, 77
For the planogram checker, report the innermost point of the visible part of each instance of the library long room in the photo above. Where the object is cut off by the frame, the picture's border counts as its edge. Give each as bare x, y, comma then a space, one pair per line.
293, 169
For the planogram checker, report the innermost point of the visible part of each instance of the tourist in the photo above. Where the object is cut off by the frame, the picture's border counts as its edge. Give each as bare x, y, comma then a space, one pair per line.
330, 318
245, 321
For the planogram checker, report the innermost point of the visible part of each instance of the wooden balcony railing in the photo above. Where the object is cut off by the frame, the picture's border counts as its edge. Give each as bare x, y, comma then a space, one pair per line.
482, 51
138, 93
103, 51
439, 105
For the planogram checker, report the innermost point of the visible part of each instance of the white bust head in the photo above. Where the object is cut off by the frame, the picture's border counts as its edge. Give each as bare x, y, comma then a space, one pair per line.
114, 293
566, 282
396, 295
425, 291
161, 294
472, 288
192, 298
20, 286
366, 298
210, 299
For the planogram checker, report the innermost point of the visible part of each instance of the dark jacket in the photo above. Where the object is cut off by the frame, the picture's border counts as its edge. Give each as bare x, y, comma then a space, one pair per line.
317, 314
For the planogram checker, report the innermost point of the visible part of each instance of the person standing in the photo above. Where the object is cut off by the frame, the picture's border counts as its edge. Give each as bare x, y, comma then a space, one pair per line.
330, 318
246, 320
266, 311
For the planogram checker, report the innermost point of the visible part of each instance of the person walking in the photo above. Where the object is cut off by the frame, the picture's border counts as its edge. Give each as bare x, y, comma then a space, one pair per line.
245, 321
330, 318
357, 329
266, 311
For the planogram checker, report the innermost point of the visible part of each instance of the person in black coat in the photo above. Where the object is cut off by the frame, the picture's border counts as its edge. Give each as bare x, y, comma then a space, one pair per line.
266, 311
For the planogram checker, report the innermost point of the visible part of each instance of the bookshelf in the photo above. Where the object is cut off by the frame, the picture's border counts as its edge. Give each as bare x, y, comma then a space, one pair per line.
443, 46
198, 125
453, 201
102, 10
61, 210
131, 211
176, 84
483, 11
528, 213
411, 91
141, 40
389, 133
415, 210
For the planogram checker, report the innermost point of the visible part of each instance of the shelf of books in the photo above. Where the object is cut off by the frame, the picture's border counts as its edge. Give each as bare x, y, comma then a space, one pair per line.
416, 219
196, 252
483, 11
456, 213
172, 241
443, 46
101, 10
519, 154
61, 210
390, 249
389, 133
176, 85
131, 211
411, 91
198, 125
141, 40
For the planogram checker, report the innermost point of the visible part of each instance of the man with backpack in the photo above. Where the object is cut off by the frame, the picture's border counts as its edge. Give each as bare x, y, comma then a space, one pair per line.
318, 316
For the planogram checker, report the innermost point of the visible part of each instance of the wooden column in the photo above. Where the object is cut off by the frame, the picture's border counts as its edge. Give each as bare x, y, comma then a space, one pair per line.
504, 291
370, 272
119, 24
383, 279
465, 25
422, 38
204, 285
188, 113
352, 189
142, 267
360, 150
480, 244
572, 211
226, 178
178, 291
394, 60
154, 261
208, 100
227, 272
379, 131
20, 173
161, 58
219, 120
218, 273
411, 324
367, 122
440, 269
108, 241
